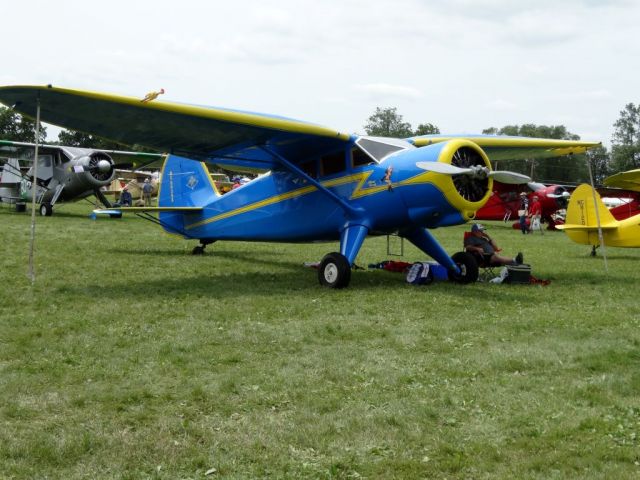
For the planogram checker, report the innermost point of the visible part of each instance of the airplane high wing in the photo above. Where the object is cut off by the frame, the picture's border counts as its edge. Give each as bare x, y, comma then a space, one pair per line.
502, 147
629, 180
321, 185
187, 130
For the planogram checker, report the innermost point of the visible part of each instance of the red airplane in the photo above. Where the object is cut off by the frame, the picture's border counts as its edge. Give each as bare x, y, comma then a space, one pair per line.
504, 202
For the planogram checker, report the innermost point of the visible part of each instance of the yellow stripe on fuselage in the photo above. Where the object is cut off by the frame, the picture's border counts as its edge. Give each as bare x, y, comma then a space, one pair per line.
359, 191
253, 206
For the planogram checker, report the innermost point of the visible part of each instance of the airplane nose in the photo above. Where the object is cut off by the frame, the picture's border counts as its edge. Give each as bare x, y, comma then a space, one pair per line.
103, 166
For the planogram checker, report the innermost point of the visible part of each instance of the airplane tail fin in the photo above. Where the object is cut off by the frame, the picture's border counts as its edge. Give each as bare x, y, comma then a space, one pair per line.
185, 183
581, 211
581, 224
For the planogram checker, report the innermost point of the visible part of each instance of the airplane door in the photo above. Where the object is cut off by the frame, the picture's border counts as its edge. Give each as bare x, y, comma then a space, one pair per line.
45, 167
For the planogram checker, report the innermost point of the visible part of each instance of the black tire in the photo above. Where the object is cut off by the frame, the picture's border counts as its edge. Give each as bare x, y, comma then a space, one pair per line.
334, 271
21, 207
46, 210
468, 268
198, 250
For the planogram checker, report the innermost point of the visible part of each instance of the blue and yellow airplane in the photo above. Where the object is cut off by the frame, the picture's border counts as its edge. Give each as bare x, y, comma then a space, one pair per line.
320, 184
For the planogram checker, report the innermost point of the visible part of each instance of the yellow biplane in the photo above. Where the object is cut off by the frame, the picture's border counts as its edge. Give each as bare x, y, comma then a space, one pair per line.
587, 216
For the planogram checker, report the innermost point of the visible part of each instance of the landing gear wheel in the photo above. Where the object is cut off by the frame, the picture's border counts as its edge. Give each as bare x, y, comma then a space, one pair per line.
468, 268
334, 271
46, 210
593, 250
199, 249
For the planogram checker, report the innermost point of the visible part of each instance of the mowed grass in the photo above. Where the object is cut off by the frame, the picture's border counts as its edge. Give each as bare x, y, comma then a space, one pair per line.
131, 358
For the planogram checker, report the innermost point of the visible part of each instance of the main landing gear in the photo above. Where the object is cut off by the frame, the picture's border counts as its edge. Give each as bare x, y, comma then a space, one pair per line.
334, 271
46, 209
468, 268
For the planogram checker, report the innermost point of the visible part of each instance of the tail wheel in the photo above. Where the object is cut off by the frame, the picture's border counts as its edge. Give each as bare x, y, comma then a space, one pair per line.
468, 268
334, 271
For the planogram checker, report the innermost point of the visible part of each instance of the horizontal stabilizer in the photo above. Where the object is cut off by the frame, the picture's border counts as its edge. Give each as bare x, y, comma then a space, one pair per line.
148, 209
585, 228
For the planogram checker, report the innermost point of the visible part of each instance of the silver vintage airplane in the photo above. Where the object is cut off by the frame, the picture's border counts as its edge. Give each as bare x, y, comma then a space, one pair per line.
63, 173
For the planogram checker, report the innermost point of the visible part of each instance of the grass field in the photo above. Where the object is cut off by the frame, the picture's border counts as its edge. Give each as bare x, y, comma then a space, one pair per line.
131, 358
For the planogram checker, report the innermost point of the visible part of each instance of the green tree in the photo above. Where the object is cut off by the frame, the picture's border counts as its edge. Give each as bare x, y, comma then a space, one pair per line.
426, 129
556, 170
74, 138
18, 128
600, 161
531, 130
625, 144
387, 122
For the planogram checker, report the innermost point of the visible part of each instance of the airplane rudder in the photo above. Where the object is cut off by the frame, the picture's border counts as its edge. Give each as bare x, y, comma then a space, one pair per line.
185, 182
582, 210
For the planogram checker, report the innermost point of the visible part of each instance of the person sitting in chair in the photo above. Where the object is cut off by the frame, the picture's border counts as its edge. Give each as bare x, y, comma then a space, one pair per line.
478, 242
125, 198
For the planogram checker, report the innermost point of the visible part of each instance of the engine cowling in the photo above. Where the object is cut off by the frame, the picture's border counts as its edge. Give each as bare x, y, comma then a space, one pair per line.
466, 193
99, 168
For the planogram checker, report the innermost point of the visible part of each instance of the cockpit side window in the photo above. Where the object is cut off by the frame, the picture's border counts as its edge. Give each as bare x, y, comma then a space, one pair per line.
332, 163
359, 158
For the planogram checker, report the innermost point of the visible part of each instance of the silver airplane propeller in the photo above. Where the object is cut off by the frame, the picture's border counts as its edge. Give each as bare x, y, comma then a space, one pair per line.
475, 171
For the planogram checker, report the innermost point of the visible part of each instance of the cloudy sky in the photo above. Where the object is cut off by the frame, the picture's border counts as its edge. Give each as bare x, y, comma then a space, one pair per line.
463, 65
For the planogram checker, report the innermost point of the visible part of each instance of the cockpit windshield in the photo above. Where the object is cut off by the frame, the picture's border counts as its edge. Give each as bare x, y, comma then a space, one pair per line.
379, 148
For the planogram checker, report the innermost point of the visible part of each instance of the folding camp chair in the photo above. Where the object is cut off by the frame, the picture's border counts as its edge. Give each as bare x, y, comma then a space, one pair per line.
487, 269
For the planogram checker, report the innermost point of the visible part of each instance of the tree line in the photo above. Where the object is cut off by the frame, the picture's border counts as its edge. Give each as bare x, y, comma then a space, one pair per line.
387, 122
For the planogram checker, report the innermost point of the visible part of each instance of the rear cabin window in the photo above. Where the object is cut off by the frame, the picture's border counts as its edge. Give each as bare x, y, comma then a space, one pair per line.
332, 163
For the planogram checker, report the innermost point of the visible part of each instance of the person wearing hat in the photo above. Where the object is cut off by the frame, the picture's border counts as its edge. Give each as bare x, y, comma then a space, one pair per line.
147, 188
478, 242
125, 197
535, 210
523, 213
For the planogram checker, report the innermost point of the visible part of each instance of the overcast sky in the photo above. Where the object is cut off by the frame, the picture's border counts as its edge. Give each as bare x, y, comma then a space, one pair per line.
463, 65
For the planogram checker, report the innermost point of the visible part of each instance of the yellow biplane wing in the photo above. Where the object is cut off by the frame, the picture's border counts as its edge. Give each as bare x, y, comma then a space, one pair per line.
629, 180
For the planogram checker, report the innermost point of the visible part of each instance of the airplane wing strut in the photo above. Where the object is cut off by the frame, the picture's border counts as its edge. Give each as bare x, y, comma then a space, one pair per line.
351, 211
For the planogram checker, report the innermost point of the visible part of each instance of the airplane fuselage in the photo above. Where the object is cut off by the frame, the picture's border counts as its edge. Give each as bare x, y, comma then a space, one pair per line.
282, 206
